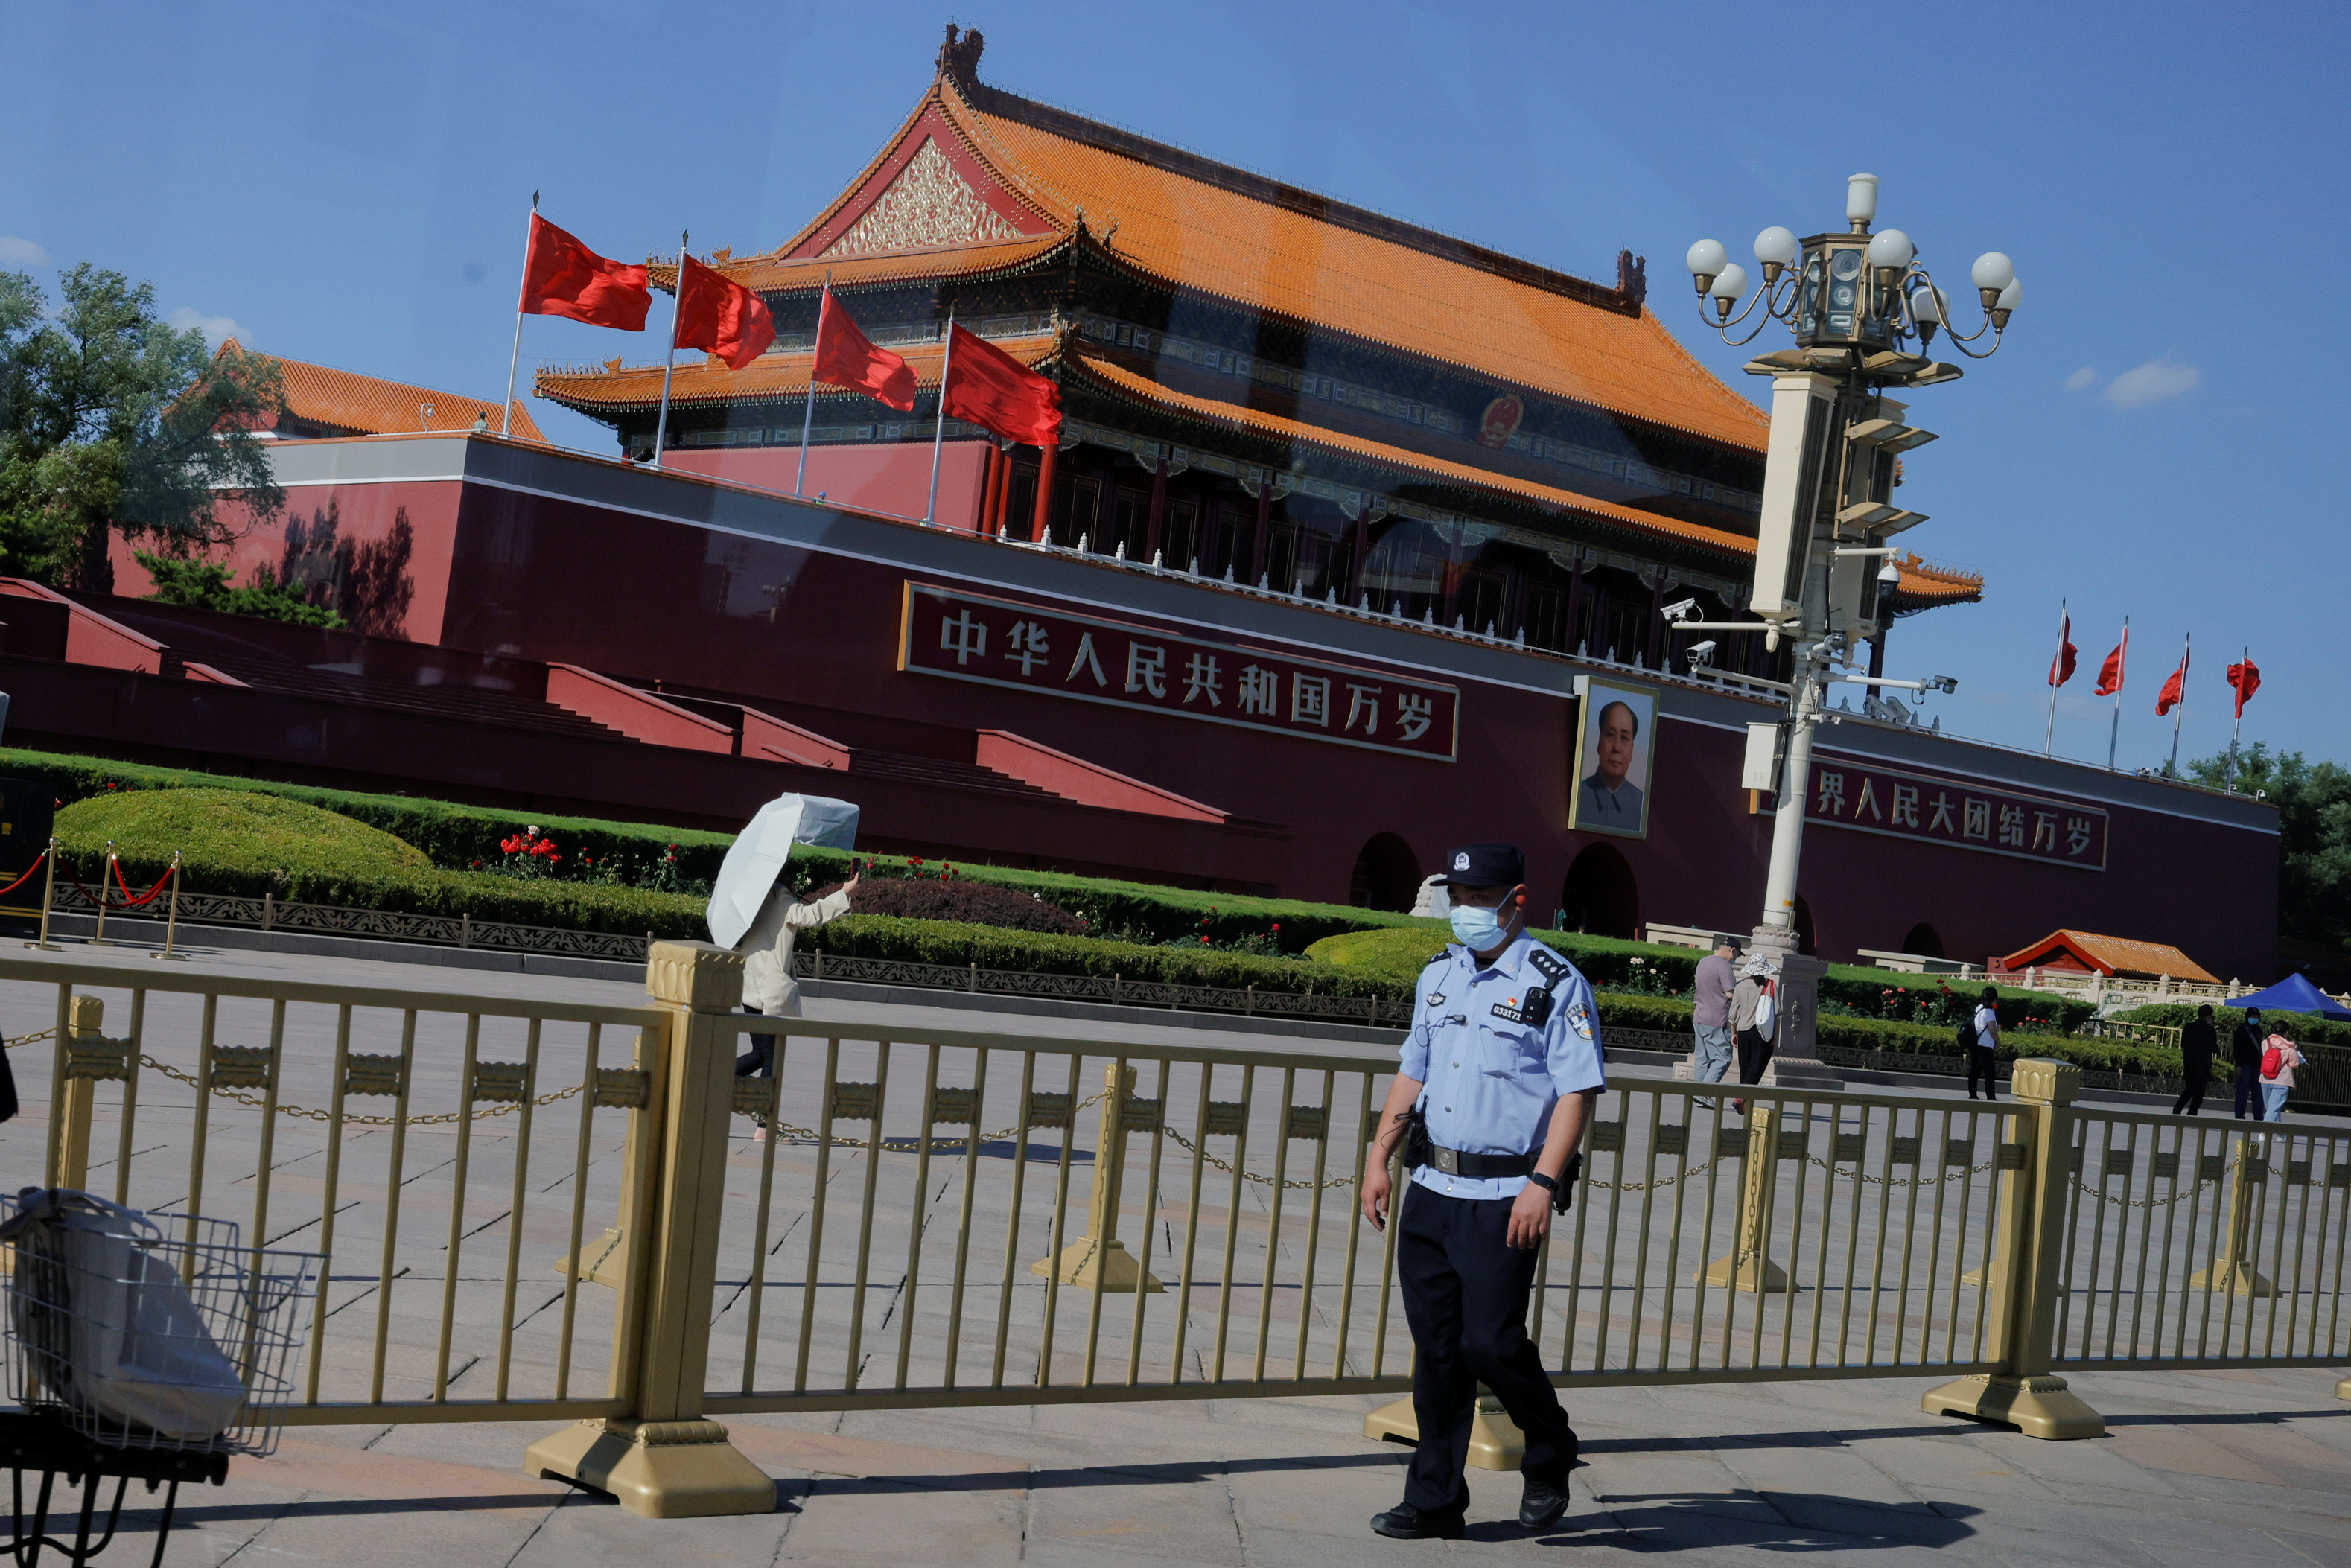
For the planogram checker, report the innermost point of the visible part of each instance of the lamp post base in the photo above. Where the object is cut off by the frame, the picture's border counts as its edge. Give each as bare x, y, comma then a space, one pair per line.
657, 1470
1108, 1269
2038, 1407
1495, 1441
2233, 1278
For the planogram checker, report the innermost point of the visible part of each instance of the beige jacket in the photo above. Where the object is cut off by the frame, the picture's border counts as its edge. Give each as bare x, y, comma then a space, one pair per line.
768, 983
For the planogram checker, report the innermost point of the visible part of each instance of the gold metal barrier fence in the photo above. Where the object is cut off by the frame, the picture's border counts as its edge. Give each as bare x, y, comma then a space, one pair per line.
942, 1217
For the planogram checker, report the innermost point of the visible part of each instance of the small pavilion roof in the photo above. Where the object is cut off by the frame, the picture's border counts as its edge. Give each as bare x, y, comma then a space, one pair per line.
371, 405
2121, 957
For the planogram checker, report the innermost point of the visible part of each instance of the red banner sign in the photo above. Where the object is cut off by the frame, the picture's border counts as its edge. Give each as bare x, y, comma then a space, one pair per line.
1960, 812
997, 643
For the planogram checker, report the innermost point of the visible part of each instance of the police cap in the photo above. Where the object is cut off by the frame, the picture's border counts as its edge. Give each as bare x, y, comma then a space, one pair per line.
1486, 865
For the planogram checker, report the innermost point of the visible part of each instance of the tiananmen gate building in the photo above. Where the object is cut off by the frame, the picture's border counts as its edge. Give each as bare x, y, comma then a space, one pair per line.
1354, 534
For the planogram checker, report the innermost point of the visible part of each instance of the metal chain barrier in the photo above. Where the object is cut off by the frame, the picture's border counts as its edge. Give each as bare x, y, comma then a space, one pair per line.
905, 1145
2187, 1192
353, 1118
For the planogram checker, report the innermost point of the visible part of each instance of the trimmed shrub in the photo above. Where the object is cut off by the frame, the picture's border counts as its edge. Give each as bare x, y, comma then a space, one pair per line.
993, 948
256, 840
969, 903
2302, 1028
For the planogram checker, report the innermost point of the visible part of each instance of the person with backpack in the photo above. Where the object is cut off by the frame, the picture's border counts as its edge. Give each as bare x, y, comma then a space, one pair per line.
2245, 1053
1981, 1036
2280, 1057
2197, 1042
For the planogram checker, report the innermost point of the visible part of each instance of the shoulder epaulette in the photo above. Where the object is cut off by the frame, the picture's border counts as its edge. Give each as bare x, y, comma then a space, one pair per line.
1548, 964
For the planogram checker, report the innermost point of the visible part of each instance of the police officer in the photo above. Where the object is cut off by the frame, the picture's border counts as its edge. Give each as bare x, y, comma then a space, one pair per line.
1496, 1083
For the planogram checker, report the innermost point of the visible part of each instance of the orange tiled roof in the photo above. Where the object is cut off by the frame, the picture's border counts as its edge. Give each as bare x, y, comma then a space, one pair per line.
637, 388
371, 405
1925, 584
1193, 224
771, 273
1137, 387
2113, 955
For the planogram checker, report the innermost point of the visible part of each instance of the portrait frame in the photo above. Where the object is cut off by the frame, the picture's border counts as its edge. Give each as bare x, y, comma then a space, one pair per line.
1586, 812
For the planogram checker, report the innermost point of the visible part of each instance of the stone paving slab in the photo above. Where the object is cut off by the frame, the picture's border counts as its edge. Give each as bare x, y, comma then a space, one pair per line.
2201, 1470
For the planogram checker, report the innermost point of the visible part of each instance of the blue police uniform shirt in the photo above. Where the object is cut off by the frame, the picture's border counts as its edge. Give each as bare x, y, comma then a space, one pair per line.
1492, 1083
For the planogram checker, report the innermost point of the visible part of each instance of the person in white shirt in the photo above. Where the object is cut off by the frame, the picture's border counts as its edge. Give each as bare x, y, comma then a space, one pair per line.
769, 987
1983, 1056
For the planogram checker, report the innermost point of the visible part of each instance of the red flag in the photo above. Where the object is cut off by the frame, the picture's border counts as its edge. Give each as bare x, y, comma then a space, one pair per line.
2110, 674
2247, 678
2173, 689
2061, 668
723, 316
989, 388
845, 357
564, 278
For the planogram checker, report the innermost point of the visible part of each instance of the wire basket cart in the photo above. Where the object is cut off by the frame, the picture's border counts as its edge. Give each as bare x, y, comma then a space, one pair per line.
138, 1349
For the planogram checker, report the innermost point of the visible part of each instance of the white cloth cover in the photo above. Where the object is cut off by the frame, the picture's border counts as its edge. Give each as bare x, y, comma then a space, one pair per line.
755, 859
139, 1352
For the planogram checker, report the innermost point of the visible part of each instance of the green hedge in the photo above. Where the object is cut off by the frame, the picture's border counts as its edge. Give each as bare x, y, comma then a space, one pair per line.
2304, 1028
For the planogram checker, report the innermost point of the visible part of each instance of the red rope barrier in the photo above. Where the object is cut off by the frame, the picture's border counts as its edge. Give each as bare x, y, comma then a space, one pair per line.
100, 899
21, 880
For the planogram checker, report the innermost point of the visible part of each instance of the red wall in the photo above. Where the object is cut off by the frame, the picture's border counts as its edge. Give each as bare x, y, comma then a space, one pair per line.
812, 636
893, 479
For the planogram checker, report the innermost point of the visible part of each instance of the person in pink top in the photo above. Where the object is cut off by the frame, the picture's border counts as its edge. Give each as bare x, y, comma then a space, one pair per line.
2279, 1053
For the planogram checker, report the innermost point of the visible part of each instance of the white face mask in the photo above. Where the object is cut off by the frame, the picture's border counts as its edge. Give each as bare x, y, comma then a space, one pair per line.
1480, 930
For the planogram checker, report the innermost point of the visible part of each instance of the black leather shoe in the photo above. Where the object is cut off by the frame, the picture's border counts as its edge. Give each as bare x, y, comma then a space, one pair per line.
1543, 1504
1406, 1522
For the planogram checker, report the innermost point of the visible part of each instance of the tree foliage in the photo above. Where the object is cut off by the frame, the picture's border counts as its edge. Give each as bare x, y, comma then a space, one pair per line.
2313, 802
205, 586
109, 418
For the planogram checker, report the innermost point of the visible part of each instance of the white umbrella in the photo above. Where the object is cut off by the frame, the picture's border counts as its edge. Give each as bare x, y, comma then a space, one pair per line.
755, 859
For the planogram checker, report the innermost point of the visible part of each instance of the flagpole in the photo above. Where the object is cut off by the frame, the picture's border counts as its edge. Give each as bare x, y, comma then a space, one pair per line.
2239, 727
513, 360
2179, 708
2064, 626
669, 366
939, 423
2114, 733
807, 413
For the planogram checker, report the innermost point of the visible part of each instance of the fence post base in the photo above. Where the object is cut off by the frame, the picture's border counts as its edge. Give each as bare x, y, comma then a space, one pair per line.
1108, 1269
2038, 1407
657, 1470
2231, 1277
2343, 1389
1495, 1441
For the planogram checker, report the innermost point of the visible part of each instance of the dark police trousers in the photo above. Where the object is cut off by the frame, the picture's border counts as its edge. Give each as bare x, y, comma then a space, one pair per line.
1465, 1295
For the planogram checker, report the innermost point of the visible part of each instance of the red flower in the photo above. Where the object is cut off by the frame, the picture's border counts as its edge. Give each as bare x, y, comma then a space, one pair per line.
1277, 926
1204, 941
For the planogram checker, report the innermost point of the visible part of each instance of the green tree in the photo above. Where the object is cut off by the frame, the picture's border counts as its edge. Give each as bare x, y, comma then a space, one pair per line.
2313, 802
112, 419
204, 585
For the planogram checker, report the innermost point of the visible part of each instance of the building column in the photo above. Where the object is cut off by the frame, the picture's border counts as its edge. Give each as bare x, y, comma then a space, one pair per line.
1574, 602
1359, 554
1258, 539
1042, 522
1158, 510
1657, 620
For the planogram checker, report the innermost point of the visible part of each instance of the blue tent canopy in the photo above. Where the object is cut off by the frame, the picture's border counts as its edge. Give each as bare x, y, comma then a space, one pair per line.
2295, 994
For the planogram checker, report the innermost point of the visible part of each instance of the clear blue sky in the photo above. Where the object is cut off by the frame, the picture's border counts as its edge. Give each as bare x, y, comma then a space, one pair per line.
348, 183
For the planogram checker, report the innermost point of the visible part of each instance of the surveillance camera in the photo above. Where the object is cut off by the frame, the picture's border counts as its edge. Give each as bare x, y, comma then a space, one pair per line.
1701, 653
1890, 573
1945, 683
1682, 610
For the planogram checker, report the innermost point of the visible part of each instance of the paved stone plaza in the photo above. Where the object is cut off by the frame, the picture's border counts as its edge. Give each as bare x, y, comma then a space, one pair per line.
2200, 1469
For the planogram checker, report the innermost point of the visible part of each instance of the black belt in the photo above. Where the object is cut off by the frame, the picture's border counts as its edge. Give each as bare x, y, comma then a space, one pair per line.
1480, 1168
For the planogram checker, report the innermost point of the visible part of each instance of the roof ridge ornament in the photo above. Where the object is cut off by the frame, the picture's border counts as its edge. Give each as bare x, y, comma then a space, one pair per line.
959, 54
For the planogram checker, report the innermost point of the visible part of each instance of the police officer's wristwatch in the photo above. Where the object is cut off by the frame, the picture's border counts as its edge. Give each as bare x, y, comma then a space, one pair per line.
1547, 1183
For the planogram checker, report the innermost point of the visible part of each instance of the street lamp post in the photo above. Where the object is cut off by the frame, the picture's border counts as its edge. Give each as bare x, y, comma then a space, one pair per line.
1864, 312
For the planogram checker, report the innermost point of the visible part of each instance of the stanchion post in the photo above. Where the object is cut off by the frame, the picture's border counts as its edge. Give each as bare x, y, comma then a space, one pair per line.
2027, 1269
1098, 1261
665, 1460
2233, 1272
171, 919
97, 938
1748, 1266
48, 901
